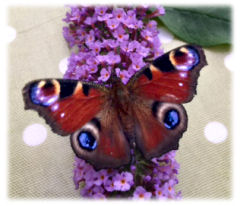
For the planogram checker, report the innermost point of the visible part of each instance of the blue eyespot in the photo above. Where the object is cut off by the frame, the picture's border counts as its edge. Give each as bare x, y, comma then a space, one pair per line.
44, 96
87, 141
186, 60
33, 94
171, 119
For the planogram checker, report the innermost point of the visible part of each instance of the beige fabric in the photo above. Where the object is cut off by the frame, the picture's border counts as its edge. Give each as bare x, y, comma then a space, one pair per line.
45, 171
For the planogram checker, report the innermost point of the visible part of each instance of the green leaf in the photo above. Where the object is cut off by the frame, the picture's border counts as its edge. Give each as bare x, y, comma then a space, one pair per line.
205, 26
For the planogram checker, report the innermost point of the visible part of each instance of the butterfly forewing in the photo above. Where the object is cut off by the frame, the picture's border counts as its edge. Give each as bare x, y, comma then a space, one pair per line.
66, 105
171, 77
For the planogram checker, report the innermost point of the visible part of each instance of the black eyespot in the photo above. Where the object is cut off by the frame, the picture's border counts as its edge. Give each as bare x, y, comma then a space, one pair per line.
171, 119
48, 85
179, 53
87, 141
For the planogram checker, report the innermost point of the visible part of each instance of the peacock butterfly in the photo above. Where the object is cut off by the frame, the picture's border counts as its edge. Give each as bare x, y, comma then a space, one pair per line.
105, 123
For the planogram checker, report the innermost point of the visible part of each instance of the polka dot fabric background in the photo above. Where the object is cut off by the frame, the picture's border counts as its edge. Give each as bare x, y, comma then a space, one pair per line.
41, 162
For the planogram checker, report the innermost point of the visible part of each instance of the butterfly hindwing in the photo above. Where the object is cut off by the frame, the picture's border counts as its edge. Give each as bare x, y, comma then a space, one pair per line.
102, 141
159, 126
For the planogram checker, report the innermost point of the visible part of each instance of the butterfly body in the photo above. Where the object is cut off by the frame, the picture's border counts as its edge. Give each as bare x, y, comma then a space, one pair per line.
105, 123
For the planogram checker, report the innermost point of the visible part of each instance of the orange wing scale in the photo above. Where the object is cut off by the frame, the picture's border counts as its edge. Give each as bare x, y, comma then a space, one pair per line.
174, 87
73, 112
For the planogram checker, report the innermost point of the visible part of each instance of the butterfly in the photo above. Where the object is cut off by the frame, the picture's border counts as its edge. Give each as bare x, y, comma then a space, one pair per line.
106, 123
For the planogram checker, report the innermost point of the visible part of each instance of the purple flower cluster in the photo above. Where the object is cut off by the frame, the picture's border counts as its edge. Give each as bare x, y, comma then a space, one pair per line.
157, 180
110, 41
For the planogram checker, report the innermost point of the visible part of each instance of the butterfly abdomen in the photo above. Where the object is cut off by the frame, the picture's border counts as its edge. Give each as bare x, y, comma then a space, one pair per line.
128, 126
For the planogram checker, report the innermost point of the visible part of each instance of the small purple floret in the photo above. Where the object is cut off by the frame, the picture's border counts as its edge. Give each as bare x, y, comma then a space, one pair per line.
108, 41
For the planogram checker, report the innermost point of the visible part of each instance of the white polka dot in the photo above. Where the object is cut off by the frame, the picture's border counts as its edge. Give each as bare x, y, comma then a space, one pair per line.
34, 134
63, 65
215, 132
165, 36
10, 34
229, 61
